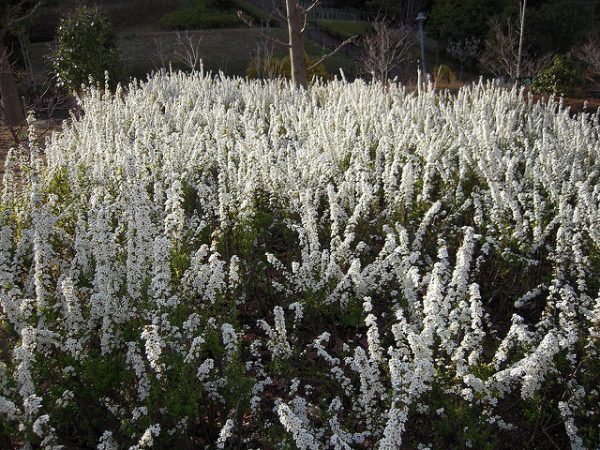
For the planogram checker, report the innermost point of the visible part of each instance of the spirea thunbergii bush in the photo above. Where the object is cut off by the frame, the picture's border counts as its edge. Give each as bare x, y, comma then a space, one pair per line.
215, 263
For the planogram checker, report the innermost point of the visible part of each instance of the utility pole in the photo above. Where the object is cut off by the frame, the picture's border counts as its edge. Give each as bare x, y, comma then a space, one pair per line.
420, 19
520, 54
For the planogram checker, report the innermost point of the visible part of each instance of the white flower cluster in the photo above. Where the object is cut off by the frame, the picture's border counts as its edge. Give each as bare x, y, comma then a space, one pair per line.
431, 252
278, 341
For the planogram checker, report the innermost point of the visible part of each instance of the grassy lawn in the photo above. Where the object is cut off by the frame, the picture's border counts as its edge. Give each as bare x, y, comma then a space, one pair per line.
343, 29
229, 50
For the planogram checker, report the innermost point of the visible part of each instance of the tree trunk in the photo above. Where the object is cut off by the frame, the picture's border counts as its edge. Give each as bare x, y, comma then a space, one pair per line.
298, 64
11, 105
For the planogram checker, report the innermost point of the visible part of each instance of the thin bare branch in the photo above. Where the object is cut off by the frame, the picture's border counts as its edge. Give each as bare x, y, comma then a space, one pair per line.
501, 50
589, 53
188, 51
305, 11
304, 25
273, 39
249, 23
333, 52
30, 13
386, 48
277, 11
265, 65
159, 56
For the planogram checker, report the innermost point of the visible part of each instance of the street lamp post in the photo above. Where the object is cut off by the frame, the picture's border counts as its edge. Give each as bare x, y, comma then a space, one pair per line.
420, 20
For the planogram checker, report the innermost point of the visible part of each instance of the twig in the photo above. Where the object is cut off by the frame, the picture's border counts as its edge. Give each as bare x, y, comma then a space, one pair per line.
305, 11
10, 20
305, 23
248, 22
190, 51
330, 54
29, 14
278, 12
551, 440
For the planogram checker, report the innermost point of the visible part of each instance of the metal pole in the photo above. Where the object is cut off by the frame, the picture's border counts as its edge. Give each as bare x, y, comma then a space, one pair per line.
420, 19
519, 55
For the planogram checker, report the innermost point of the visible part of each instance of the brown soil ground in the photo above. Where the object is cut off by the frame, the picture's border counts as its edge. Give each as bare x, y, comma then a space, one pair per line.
576, 105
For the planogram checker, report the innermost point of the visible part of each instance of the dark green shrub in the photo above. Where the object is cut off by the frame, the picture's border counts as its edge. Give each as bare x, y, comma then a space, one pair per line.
212, 14
86, 49
198, 17
257, 15
561, 78
220, 4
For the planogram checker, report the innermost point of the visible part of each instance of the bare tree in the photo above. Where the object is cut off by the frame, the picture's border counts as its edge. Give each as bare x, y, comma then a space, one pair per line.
296, 40
589, 53
296, 18
15, 13
161, 55
188, 50
501, 54
386, 48
465, 50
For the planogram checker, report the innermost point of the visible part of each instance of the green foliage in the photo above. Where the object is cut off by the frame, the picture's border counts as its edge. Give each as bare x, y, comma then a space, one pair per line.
352, 314
205, 14
551, 25
86, 49
457, 424
198, 17
555, 25
220, 4
561, 78
455, 20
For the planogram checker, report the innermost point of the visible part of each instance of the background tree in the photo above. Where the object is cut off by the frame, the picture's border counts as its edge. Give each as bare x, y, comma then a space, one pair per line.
295, 12
589, 53
385, 49
554, 25
500, 56
296, 19
465, 50
550, 26
14, 14
457, 20
86, 49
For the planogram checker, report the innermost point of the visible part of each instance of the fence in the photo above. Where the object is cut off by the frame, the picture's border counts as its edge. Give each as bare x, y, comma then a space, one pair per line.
323, 11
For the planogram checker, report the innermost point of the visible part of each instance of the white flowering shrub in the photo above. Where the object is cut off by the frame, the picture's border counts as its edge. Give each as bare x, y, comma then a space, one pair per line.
216, 263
